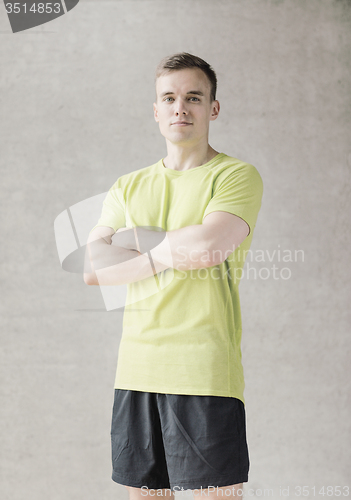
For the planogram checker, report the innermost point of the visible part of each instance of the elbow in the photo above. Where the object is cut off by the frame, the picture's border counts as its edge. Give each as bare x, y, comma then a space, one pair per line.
201, 263
90, 279
89, 275
214, 262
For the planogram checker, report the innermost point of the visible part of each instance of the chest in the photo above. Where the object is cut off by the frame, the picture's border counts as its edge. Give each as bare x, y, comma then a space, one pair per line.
168, 203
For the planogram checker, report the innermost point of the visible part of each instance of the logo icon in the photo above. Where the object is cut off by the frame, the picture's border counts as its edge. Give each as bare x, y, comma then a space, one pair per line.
26, 14
72, 228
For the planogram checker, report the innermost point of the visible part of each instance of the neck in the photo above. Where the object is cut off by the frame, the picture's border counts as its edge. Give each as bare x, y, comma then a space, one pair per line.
185, 158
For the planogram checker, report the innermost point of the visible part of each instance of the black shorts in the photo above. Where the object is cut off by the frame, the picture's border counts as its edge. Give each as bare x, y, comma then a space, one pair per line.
178, 441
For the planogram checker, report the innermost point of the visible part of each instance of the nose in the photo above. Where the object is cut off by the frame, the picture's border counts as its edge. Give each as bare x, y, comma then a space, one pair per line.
180, 108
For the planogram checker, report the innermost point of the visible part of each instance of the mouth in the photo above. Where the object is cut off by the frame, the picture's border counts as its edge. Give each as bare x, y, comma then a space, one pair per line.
181, 124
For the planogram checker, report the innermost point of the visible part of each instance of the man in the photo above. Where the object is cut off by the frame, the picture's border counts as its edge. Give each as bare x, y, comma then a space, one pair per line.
181, 229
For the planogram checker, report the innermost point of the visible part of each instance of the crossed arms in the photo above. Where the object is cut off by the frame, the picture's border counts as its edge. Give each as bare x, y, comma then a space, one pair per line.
118, 258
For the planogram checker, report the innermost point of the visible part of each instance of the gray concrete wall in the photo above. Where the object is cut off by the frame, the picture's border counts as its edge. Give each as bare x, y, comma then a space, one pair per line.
76, 99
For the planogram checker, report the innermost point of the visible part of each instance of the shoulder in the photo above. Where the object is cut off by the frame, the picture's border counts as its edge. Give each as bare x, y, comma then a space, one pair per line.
231, 168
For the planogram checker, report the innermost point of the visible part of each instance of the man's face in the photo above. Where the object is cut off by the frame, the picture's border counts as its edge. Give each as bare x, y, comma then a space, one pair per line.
183, 106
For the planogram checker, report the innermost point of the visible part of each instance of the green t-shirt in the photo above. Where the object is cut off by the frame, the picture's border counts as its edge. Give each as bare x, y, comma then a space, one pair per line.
182, 329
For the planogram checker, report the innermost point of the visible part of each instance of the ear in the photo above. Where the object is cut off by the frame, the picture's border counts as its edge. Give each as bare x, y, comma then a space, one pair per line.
155, 112
215, 110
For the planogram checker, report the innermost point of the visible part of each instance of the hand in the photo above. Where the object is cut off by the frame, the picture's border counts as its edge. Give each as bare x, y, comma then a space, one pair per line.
149, 237
145, 240
125, 240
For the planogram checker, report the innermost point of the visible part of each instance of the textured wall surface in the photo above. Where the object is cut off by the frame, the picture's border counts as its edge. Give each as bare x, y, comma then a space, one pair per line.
76, 113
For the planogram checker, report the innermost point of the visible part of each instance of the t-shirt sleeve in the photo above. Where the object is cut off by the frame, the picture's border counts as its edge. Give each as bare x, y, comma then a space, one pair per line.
239, 193
113, 209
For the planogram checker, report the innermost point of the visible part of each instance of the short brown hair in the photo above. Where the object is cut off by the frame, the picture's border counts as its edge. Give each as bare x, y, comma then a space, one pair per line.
185, 60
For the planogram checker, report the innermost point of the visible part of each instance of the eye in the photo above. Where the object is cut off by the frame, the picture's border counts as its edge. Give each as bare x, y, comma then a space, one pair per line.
166, 98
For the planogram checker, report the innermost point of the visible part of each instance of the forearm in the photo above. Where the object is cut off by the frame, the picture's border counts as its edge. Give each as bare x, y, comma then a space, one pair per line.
114, 265
183, 249
120, 263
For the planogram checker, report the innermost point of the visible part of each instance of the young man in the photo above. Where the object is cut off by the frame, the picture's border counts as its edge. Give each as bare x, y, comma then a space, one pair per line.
181, 229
